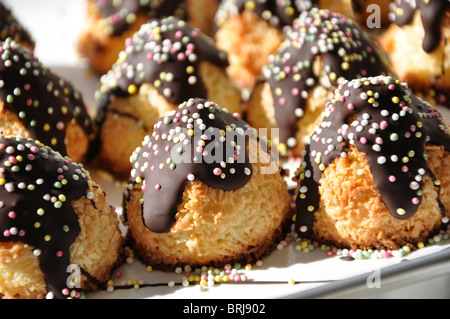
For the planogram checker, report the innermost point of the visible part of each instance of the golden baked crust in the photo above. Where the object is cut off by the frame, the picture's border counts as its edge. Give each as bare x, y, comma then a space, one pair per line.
411, 63
76, 141
249, 41
131, 118
97, 250
215, 227
352, 214
260, 113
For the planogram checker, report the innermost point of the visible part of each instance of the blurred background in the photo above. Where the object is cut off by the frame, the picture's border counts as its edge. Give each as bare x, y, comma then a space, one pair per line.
55, 26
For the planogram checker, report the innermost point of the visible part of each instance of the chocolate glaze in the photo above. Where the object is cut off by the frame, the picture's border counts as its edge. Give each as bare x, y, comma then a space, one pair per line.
431, 13
37, 185
165, 53
192, 143
277, 13
11, 28
346, 52
391, 126
43, 102
118, 15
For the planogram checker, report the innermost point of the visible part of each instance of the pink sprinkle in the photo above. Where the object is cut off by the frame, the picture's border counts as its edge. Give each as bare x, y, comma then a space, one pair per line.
342, 99
34, 149
363, 140
237, 278
12, 160
12, 214
391, 87
350, 106
65, 291
157, 187
329, 253
383, 125
392, 178
405, 169
379, 140
295, 91
6, 233
415, 201
59, 253
156, 153
217, 171
282, 101
152, 168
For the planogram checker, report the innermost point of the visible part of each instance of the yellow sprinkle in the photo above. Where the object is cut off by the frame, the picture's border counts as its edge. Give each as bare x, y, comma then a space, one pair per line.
46, 127
47, 237
310, 208
110, 283
250, 5
203, 283
395, 100
190, 69
420, 245
289, 11
64, 109
291, 282
2, 181
248, 267
149, 268
401, 211
132, 89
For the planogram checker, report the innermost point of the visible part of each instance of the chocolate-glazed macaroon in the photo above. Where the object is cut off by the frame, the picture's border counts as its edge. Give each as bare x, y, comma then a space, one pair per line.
55, 224
250, 31
35, 102
203, 191
321, 50
10, 27
164, 64
417, 42
109, 23
374, 172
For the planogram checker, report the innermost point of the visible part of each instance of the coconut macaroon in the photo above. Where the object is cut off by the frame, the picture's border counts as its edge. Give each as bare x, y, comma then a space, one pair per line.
203, 191
373, 174
109, 23
36, 102
250, 31
164, 64
59, 236
417, 43
321, 50
10, 27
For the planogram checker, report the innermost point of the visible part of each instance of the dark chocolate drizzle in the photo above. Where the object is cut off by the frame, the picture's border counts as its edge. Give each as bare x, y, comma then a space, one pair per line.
11, 28
43, 102
277, 13
391, 126
119, 15
199, 141
37, 185
431, 13
346, 52
165, 53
